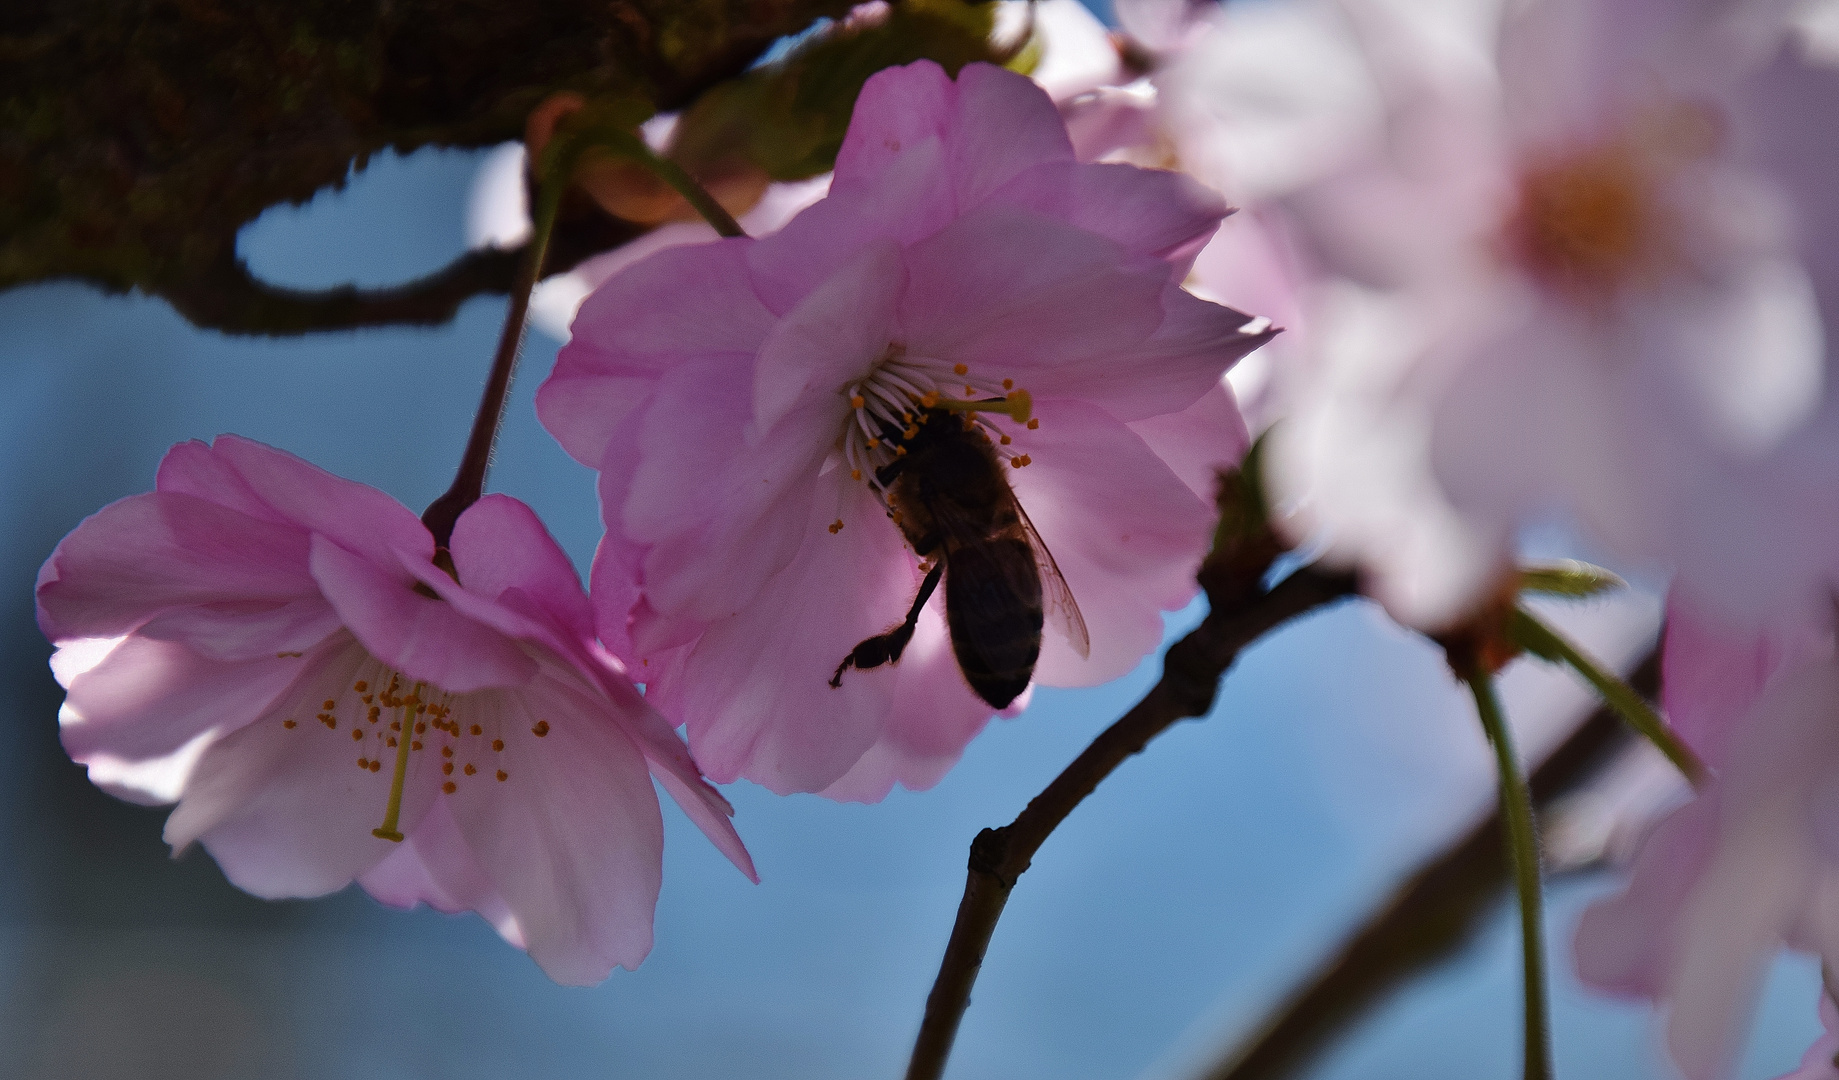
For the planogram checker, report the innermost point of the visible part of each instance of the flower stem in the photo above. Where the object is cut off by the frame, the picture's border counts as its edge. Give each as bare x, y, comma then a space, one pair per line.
469, 482
1191, 673
1523, 846
1542, 641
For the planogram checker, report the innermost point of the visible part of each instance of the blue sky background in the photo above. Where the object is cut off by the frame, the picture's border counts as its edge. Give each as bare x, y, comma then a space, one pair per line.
1200, 881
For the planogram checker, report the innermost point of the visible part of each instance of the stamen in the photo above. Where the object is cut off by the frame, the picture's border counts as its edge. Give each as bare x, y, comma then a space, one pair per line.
837, 525
541, 729
960, 369
1018, 405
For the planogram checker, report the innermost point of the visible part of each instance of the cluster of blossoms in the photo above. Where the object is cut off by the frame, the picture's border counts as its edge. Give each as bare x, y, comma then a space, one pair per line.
1570, 260
332, 694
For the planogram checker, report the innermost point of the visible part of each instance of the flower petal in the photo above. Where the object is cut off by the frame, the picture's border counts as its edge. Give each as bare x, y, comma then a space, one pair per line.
572, 838
436, 867
932, 716
832, 338
1127, 533
1165, 215
1199, 441
422, 638
358, 516
286, 811
150, 553
755, 688
680, 304
148, 698
500, 545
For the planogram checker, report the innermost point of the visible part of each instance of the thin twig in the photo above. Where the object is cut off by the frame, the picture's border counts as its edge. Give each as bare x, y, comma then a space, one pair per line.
1190, 678
1430, 917
1523, 848
469, 480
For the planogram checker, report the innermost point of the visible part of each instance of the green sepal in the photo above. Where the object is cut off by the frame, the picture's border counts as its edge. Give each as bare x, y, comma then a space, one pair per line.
1568, 577
788, 118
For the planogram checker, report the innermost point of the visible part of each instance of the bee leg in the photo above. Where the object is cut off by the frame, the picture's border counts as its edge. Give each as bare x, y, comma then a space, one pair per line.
886, 648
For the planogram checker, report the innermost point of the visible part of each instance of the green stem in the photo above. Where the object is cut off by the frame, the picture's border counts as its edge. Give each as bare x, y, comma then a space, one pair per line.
1523, 847
698, 196
1542, 641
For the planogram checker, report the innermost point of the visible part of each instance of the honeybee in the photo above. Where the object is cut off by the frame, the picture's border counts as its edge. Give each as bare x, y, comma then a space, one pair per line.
948, 495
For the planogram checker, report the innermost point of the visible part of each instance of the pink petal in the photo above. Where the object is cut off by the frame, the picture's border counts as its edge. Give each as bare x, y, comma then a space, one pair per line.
499, 545
148, 698
1200, 441
422, 638
732, 508
1003, 124
704, 806
287, 811
358, 516
755, 688
908, 202
436, 867
1183, 360
896, 110
150, 553
246, 630
1165, 215
572, 839
682, 303
933, 715
1127, 533
831, 339
1012, 293
1624, 944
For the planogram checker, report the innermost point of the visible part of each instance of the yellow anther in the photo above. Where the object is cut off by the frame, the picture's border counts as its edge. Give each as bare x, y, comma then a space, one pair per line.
1033, 424
836, 526
375, 765
449, 787
446, 751
855, 474
961, 369
360, 686
900, 451
287, 723
329, 704
498, 744
356, 735
446, 768
363, 763
503, 776
1008, 384
469, 770
541, 729
872, 443
1006, 440
911, 432
477, 730
897, 517
857, 401
930, 399
416, 745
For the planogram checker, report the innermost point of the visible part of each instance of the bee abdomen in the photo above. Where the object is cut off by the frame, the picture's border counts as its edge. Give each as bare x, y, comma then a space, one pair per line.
993, 608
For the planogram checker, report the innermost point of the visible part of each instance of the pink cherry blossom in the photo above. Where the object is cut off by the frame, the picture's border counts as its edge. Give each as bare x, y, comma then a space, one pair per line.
281, 652
1748, 866
1566, 261
736, 397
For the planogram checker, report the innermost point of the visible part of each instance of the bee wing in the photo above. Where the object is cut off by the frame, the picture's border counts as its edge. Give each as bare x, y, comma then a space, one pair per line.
1056, 598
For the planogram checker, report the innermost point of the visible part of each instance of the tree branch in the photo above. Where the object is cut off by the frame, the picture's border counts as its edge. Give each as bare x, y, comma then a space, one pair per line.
229, 298
1190, 678
1431, 917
